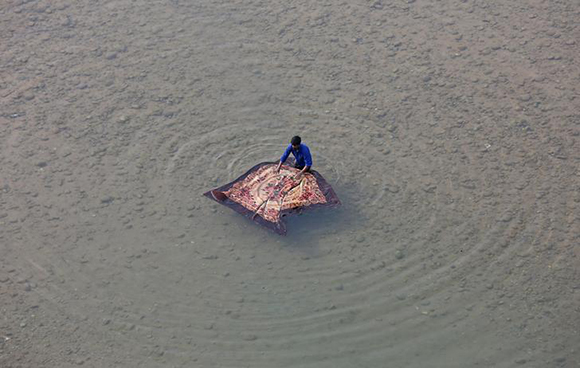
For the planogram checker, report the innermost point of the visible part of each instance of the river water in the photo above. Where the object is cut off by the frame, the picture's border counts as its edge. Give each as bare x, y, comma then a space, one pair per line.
449, 130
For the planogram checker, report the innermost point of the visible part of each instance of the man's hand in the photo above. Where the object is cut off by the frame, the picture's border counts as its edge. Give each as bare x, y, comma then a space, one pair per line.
299, 175
278, 167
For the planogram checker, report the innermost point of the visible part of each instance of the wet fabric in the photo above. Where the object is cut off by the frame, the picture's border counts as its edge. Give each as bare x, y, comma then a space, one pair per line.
266, 196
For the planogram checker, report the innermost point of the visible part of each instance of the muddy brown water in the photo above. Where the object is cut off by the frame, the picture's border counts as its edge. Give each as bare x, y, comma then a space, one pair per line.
449, 129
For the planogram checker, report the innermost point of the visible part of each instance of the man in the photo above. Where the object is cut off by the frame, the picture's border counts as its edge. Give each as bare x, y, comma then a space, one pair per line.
302, 154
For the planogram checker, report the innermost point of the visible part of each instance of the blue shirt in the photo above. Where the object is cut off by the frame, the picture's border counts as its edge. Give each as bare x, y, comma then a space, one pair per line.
303, 157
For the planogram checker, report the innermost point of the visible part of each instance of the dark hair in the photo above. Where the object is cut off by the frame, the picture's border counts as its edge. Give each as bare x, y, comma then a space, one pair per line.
296, 140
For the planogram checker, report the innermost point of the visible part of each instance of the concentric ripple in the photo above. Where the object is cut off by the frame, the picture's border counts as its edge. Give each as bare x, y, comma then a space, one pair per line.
418, 248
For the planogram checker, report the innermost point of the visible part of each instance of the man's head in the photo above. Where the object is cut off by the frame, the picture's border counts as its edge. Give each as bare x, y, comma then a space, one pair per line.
296, 140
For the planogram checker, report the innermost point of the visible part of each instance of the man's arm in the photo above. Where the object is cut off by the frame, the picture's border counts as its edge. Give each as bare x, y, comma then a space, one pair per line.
284, 157
308, 162
307, 159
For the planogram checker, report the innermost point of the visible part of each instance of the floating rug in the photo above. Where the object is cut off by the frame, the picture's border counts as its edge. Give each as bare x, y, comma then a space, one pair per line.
266, 196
